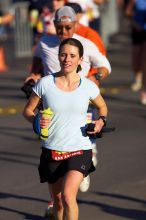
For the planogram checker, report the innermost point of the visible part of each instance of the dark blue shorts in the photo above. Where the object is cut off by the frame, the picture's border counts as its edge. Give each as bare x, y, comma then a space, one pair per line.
51, 170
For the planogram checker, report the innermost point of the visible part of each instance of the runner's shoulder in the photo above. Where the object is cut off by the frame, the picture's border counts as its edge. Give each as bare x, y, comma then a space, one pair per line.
87, 43
51, 40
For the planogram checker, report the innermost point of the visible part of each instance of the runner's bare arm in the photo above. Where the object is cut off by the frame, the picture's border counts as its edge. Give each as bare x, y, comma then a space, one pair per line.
103, 74
36, 69
102, 112
31, 105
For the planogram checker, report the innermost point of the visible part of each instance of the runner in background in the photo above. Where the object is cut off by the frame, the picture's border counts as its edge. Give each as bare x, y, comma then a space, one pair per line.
85, 31
91, 13
37, 67
6, 18
136, 10
95, 18
34, 10
45, 22
85, 5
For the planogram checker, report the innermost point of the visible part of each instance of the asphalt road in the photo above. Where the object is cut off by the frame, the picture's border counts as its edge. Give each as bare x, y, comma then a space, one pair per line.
118, 187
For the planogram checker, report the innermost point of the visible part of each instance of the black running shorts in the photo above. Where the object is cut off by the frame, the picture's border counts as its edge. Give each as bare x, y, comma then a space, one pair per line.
138, 37
50, 170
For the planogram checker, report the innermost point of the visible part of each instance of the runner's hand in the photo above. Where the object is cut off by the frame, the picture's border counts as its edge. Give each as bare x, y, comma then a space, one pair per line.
44, 122
34, 77
96, 127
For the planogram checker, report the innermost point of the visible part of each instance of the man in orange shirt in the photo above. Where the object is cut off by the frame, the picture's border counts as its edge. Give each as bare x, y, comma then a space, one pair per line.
88, 33
91, 34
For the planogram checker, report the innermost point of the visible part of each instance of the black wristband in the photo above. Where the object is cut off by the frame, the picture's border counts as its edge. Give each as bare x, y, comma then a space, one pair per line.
104, 119
98, 76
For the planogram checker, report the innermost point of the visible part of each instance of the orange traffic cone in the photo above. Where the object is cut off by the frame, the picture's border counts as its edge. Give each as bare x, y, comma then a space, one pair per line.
3, 66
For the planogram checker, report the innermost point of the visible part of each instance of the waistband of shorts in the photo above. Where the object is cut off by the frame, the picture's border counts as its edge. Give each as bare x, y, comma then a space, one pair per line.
44, 149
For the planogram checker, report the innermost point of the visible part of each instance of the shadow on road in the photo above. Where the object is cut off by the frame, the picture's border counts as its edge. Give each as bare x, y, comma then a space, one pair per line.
18, 158
9, 195
122, 197
134, 214
123, 100
13, 132
26, 215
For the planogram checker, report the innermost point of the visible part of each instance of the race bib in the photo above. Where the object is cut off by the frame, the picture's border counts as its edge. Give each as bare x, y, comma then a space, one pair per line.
59, 155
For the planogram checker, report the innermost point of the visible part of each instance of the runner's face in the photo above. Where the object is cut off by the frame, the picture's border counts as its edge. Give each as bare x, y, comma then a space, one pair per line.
69, 58
65, 30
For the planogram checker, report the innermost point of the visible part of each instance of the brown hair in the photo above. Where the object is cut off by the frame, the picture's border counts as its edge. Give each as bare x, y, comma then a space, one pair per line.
76, 43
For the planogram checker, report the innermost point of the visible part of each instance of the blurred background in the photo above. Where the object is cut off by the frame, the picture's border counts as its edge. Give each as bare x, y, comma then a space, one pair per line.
19, 33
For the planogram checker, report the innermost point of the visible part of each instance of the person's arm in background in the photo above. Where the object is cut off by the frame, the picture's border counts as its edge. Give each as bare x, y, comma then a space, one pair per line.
99, 2
98, 75
102, 109
96, 39
129, 8
6, 19
36, 70
100, 63
102, 70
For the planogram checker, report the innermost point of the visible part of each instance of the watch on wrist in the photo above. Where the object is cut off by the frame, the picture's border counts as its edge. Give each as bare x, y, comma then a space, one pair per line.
98, 76
104, 119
